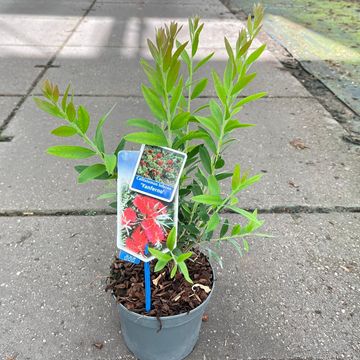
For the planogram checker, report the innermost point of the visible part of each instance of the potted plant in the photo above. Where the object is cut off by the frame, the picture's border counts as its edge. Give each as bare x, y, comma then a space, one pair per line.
182, 279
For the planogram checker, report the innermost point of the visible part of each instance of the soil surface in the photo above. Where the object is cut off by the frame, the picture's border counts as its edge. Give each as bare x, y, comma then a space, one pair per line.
169, 296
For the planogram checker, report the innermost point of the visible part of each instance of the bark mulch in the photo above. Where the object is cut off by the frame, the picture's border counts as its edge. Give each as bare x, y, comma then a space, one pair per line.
169, 296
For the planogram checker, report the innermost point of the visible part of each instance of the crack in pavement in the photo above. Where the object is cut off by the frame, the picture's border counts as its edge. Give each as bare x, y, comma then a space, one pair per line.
296, 209
48, 65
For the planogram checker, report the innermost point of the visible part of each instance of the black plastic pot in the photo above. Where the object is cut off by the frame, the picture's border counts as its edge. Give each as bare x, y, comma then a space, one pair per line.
175, 340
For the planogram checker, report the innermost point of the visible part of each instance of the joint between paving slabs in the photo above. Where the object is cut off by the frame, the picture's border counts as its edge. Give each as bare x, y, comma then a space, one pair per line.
96, 212
138, 96
45, 67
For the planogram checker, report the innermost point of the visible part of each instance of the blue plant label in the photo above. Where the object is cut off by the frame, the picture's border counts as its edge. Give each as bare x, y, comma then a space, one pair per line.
123, 255
157, 172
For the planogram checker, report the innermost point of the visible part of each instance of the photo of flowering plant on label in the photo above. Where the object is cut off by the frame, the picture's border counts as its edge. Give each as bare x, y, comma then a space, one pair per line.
158, 172
160, 165
142, 220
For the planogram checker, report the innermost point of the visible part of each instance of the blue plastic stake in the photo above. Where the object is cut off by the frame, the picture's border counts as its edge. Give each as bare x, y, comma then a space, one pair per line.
147, 283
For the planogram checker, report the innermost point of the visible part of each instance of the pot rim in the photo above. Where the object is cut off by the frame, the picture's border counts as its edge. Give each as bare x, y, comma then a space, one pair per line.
162, 318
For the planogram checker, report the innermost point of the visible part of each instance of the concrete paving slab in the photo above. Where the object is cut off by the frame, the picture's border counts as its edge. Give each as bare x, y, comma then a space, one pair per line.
321, 175
135, 30
45, 30
44, 7
293, 296
20, 65
116, 71
161, 2
7, 104
130, 25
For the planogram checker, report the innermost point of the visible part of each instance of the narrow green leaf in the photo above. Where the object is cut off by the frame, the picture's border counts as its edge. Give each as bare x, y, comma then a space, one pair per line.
186, 58
55, 94
223, 175
228, 75
153, 49
64, 99
205, 159
203, 61
236, 230
229, 50
184, 256
71, 112
216, 111
235, 124
190, 136
224, 228
80, 168
184, 270
180, 121
248, 215
210, 124
199, 88
91, 173
246, 245
208, 199
70, 152
220, 91
176, 96
236, 246
49, 108
195, 42
160, 255
64, 131
110, 163
146, 138
160, 265
113, 205
153, 76
172, 75
178, 52
235, 181
173, 271
120, 146
145, 124
244, 49
106, 196
171, 239
153, 103
208, 139
205, 106
213, 222
219, 163
99, 139
242, 83
214, 255
250, 98
83, 119
255, 55
213, 185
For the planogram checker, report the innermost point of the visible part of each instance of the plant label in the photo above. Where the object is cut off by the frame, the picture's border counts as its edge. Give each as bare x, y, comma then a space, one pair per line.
123, 255
142, 221
157, 172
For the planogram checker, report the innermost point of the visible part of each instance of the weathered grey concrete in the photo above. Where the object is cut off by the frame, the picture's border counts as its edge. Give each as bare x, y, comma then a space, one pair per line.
293, 296
6, 105
44, 7
321, 175
35, 30
18, 67
113, 24
116, 71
